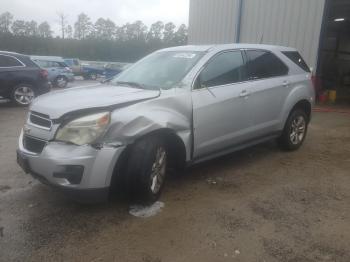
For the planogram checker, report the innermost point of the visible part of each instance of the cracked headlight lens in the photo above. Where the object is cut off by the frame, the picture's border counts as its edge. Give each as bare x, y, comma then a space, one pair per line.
84, 130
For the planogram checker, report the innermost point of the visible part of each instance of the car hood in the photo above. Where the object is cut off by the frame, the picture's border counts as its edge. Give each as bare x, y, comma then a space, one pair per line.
58, 103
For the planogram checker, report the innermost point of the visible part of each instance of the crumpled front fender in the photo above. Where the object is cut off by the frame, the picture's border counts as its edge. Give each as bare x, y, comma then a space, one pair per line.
172, 112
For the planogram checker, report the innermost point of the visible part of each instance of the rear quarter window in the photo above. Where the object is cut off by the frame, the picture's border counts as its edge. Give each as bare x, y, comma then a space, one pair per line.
9, 61
297, 59
263, 64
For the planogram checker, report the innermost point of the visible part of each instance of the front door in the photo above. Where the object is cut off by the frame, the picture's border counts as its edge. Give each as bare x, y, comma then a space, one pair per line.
220, 113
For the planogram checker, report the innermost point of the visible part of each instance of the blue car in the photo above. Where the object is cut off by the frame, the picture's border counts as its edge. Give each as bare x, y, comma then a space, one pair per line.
59, 74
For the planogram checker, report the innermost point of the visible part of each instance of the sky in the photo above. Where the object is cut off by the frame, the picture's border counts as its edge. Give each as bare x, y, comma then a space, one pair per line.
119, 11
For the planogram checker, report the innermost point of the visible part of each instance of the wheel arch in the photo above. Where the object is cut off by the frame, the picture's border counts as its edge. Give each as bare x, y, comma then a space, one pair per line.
175, 146
302, 104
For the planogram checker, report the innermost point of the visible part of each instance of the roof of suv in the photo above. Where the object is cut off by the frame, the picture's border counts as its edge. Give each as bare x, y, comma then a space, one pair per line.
203, 48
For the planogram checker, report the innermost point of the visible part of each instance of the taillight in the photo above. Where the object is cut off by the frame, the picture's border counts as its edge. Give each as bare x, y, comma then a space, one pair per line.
44, 73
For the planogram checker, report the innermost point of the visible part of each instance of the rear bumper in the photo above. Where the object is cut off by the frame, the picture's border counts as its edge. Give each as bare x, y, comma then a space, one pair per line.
43, 88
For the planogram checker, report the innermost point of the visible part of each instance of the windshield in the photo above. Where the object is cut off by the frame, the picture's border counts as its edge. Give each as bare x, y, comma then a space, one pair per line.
160, 70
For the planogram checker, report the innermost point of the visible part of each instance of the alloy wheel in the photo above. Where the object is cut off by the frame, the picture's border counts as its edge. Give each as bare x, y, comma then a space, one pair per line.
297, 130
158, 170
24, 95
61, 82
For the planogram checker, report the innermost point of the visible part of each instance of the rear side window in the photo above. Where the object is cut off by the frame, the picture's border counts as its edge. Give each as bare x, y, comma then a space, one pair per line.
9, 61
297, 59
263, 64
225, 68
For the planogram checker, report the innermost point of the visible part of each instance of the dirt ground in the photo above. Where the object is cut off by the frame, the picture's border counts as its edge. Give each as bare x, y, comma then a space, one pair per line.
259, 204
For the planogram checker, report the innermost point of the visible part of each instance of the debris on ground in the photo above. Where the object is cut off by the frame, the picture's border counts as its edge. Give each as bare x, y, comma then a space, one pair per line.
146, 211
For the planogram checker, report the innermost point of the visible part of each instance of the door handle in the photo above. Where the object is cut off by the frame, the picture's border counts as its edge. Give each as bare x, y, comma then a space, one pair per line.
244, 93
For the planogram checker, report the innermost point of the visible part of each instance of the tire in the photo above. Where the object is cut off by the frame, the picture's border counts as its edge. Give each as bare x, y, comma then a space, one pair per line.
23, 94
146, 169
61, 82
92, 76
294, 131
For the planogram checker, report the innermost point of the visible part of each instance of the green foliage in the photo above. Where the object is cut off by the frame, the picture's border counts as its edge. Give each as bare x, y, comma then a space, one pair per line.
102, 40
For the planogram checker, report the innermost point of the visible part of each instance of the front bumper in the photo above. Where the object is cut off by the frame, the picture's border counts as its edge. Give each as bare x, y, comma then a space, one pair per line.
56, 166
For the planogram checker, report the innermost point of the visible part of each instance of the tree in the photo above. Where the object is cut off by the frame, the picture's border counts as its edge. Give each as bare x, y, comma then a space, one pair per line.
69, 31
62, 20
181, 35
82, 27
135, 31
5, 22
169, 32
44, 30
104, 29
31, 28
156, 31
19, 27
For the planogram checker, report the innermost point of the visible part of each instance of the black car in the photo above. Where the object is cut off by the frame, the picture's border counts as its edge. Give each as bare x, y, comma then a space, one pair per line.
21, 80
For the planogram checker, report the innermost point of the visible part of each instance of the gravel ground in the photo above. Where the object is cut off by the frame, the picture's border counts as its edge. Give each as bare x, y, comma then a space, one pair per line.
259, 204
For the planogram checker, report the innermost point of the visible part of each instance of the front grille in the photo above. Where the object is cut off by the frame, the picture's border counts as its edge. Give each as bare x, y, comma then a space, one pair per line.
40, 120
33, 144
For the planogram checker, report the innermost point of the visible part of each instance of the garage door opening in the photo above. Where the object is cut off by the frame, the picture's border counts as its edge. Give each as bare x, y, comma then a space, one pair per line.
334, 55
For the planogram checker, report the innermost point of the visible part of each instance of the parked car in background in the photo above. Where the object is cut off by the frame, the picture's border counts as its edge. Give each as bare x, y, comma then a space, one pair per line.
92, 73
86, 71
59, 74
174, 108
21, 80
111, 70
74, 64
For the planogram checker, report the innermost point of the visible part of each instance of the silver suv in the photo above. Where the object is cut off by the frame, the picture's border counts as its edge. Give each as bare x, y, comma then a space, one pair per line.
174, 108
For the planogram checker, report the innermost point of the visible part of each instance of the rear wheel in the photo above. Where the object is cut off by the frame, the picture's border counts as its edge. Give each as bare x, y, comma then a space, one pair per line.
146, 169
61, 82
23, 94
295, 130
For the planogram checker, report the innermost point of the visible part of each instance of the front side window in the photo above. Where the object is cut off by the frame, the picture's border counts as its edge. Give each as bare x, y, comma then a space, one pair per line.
225, 68
9, 61
263, 64
162, 70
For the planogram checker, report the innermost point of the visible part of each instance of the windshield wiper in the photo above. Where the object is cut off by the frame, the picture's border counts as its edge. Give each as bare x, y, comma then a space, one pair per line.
132, 84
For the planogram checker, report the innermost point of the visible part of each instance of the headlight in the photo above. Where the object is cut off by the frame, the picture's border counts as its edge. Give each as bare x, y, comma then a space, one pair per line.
84, 130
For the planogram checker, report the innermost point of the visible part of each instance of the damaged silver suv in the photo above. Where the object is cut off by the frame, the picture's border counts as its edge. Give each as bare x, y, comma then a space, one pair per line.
175, 107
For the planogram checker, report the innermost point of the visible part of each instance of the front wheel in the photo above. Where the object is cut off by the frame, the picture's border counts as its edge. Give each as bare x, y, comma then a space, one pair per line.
294, 132
146, 169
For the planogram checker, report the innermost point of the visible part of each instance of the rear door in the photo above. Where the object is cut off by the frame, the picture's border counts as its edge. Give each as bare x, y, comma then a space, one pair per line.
9, 68
270, 85
220, 99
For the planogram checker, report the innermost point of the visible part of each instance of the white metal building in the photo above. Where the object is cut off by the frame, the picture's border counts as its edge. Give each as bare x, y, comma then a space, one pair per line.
319, 29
